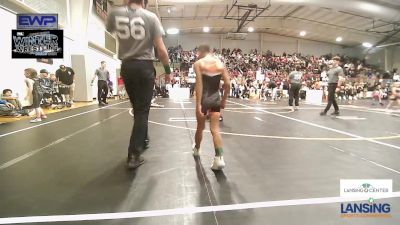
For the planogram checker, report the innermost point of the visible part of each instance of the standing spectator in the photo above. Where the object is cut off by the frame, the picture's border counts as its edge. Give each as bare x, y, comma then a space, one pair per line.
396, 75
103, 76
28, 97
136, 50
66, 77
335, 74
377, 95
395, 97
272, 86
294, 87
37, 93
47, 87
110, 85
121, 88
57, 99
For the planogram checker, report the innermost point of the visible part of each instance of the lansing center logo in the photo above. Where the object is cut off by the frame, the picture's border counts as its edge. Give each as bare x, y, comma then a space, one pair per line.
368, 189
370, 209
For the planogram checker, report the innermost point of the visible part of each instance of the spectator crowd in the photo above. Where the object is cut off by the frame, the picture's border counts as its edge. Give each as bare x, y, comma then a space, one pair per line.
264, 75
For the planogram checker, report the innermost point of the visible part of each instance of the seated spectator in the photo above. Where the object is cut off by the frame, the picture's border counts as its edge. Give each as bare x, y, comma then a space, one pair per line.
7, 96
8, 109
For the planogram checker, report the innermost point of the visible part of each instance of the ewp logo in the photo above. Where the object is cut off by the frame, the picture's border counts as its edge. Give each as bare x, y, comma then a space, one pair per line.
37, 21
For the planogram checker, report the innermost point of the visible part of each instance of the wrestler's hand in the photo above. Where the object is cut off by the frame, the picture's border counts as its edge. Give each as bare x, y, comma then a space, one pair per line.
199, 114
167, 78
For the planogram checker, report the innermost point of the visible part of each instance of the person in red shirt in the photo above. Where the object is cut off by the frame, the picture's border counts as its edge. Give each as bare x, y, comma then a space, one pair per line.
121, 88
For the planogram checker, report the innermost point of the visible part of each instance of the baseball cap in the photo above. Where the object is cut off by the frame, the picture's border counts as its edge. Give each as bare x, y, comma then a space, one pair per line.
43, 71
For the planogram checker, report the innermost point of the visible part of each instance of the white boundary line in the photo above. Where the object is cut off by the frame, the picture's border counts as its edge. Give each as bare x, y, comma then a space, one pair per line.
53, 121
188, 210
34, 152
279, 137
350, 118
364, 159
361, 109
180, 119
236, 108
191, 136
324, 127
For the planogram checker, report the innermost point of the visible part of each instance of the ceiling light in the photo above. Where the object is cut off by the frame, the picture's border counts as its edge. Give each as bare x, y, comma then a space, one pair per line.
339, 39
303, 33
367, 44
206, 29
169, 10
250, 29
172, 31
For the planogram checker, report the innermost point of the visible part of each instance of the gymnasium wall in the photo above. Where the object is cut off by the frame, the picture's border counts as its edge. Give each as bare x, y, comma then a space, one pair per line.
396, 57
386, 58
376, 57
275, 43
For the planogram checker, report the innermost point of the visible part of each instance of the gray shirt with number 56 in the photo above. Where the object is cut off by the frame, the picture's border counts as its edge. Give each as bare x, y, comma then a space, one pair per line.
136, 30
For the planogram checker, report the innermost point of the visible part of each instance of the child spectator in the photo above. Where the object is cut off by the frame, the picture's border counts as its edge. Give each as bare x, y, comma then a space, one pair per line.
8, 109
8, 97
36, 91
46, 85
56, 97
377, 95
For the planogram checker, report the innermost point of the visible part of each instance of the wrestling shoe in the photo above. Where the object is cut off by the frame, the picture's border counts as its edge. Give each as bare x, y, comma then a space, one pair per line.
196, 151
336, 113
135, 161
36, 120
218, 163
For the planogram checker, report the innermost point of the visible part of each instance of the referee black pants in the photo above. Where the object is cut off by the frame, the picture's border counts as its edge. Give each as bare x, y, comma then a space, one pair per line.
102, 91
294, 94
331, 97
139, 79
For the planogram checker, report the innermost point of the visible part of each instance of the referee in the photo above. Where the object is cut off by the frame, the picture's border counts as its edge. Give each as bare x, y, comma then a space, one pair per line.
294, 87
335, 74
138, 31
102, 86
